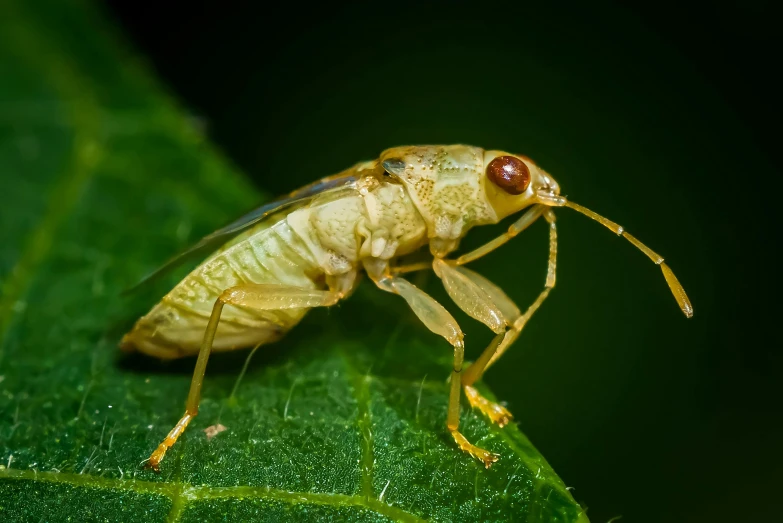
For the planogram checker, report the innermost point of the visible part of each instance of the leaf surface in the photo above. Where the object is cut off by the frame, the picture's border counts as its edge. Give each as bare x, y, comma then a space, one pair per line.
103, 178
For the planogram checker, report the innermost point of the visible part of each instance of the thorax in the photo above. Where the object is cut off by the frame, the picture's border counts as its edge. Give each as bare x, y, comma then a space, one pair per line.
373, 219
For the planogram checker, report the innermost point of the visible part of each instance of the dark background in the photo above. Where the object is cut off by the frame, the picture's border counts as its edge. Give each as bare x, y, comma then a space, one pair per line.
664, 118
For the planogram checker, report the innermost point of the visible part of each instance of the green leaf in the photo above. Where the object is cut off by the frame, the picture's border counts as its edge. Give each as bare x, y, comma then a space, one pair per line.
104, 178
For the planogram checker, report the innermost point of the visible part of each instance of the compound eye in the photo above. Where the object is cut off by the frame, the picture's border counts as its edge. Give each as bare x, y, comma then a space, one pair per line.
509, 173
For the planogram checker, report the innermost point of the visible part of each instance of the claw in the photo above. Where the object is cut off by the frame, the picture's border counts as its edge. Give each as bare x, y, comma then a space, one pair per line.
150, 464
153, 462
497, 413
482, 455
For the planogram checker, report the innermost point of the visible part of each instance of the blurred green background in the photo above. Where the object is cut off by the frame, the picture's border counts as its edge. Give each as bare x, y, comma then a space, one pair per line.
654, 118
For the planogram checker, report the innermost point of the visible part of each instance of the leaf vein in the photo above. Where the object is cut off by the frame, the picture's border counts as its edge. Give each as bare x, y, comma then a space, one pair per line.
361, 391
182, 494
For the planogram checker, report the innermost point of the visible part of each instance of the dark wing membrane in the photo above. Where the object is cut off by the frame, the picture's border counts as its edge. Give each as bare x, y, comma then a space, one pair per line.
213, 241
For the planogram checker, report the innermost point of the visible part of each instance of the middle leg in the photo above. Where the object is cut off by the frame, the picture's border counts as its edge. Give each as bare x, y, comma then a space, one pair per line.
437, 319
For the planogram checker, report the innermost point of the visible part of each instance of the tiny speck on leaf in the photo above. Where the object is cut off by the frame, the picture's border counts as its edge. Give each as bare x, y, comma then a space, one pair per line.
213, 431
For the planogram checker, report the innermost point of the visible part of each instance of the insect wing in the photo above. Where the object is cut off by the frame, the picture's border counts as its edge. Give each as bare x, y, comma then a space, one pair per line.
219, 237
296, 197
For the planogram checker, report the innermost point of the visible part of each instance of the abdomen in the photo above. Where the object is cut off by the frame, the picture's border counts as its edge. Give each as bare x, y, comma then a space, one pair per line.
272, 253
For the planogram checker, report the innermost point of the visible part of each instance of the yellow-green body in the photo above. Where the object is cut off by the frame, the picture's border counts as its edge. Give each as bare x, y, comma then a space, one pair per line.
310, 251
439, 195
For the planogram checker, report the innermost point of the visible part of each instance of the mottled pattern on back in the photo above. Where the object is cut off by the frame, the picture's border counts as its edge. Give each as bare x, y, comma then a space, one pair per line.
445, 183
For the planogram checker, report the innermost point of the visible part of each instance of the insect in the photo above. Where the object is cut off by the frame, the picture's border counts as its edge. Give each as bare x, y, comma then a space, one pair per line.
308, 249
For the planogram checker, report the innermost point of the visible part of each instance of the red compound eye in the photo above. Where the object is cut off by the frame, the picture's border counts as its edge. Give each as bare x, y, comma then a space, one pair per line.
509, 173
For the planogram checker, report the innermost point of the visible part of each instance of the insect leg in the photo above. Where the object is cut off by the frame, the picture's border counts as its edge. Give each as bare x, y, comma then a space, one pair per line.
486, 302
517, 227
437, 319
251, 296
413, 267
519, 323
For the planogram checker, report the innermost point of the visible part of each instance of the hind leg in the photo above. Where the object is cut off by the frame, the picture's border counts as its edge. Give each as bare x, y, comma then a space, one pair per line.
258, 297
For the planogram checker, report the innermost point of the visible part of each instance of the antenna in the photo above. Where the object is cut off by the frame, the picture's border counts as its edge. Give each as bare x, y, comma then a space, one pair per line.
671, 279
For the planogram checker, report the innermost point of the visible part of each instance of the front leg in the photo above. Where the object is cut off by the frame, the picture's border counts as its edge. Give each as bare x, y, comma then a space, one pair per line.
486, 302
437, 319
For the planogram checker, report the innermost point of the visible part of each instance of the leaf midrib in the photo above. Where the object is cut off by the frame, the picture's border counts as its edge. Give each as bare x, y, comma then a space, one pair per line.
181, 494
